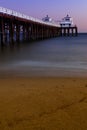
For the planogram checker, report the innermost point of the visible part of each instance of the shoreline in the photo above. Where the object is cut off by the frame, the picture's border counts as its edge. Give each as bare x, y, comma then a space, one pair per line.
43, 74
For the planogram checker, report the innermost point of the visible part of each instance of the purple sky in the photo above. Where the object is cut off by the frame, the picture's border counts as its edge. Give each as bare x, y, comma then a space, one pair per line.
56, 9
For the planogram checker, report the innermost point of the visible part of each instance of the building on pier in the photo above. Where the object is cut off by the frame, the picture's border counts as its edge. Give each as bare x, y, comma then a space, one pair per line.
47, 19
66, 21
67, 26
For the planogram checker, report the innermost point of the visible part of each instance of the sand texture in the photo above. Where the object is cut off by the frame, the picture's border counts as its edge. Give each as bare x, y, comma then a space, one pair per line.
43, 104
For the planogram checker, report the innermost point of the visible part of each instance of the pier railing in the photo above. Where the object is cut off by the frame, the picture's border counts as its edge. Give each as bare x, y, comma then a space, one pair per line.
21, 15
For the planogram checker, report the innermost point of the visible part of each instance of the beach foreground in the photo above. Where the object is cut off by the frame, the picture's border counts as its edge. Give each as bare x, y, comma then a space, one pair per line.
43, 103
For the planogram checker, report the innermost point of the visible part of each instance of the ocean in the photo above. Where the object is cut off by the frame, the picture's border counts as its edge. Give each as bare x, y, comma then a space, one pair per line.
60, 56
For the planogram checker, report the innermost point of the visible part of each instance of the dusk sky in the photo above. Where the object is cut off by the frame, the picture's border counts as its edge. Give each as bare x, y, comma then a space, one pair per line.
56, 9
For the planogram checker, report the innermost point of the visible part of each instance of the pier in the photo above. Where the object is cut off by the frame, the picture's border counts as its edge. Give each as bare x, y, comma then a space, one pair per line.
16, 27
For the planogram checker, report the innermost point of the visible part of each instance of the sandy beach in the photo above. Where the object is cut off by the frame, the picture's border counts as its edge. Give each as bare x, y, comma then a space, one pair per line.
43, 103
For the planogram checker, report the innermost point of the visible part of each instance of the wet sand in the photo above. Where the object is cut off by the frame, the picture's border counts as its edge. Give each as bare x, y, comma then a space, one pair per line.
43, 103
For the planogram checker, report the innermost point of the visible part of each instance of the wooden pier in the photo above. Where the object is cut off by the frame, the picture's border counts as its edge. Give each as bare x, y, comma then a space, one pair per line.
16, 28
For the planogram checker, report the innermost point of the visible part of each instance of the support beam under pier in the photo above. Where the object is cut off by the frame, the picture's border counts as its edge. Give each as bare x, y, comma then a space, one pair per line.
68, 31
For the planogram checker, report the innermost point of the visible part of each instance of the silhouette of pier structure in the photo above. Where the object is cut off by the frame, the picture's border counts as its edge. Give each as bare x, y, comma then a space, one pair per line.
16, 27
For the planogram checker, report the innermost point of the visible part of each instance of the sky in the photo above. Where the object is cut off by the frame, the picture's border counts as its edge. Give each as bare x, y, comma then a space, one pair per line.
57, 9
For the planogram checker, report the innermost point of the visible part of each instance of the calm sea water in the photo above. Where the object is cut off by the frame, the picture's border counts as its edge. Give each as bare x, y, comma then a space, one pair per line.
62, 56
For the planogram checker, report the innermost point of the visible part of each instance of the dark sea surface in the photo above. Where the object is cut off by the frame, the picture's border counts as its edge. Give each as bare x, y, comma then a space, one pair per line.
61, 56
